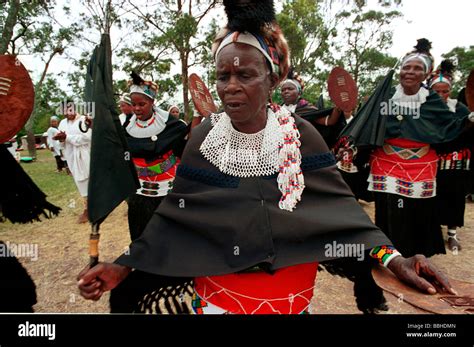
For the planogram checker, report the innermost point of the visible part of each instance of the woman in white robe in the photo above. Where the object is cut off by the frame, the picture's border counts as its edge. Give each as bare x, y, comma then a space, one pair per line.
77, 145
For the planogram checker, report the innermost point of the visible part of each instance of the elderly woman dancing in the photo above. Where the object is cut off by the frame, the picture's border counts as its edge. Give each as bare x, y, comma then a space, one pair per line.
252, 211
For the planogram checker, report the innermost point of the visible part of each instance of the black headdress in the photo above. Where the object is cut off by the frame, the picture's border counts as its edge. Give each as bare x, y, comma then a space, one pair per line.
423, 46
294, 76
444, 73
249, 15
422, 52
136, 79
446, 67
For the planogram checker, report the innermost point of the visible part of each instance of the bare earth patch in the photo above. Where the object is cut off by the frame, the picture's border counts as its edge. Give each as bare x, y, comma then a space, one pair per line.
63, 252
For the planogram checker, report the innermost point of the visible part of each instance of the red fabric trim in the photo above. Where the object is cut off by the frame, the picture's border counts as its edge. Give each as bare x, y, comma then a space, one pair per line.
143, 163
255, 293
405, 143
171, 173
411, 170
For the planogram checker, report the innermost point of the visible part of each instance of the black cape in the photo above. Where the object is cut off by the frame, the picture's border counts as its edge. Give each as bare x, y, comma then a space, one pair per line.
171, 138
214, 224
434, 124
21, 201
311, 113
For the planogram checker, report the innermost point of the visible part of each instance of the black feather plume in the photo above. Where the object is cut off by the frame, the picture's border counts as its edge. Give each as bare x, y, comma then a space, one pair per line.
136, 78
291, 73
249, 15
423, 46
446, 67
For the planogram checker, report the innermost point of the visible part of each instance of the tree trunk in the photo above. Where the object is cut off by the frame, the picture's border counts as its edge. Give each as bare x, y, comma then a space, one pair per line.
30, 135
184, 78
10, 23
31, 141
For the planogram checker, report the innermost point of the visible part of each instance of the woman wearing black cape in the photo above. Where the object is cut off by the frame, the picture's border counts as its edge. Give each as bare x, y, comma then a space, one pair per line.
260, 191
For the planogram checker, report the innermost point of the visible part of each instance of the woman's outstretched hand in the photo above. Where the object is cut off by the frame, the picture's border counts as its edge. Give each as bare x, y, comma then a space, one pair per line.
420, 273
93, 282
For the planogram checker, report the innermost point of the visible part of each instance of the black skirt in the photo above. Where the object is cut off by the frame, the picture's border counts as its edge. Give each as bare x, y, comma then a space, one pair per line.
451, 191
411, 224
140, 211
143, 292
358, 183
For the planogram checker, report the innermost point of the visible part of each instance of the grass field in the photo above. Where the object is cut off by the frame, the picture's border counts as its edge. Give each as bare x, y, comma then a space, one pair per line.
62, 243
63, 251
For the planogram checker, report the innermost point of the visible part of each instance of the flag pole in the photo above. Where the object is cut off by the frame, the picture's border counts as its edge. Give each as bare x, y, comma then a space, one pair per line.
94, 244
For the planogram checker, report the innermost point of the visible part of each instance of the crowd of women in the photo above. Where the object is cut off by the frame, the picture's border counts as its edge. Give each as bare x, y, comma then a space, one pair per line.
237, 217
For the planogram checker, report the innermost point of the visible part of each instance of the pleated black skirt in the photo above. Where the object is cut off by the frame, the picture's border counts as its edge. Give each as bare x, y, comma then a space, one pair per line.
452, 188
411, 224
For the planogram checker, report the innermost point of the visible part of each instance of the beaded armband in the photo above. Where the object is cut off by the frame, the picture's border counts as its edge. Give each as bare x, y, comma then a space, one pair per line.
384, 254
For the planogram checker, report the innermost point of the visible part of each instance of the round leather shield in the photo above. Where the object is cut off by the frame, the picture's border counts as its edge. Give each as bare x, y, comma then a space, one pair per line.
342, 89
17, 96
201, 96
441, 303
470, 91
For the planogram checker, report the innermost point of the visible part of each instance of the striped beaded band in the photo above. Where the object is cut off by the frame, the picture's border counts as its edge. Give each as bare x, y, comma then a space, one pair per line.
384, 254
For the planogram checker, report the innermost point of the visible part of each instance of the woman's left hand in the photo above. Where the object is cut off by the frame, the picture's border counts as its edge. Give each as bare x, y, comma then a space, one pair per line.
420, 273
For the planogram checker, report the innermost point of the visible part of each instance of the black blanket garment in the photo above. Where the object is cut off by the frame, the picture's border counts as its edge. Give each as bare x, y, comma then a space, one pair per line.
213, 224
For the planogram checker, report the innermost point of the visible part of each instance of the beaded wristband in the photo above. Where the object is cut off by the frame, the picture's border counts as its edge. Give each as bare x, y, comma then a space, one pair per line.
384, 254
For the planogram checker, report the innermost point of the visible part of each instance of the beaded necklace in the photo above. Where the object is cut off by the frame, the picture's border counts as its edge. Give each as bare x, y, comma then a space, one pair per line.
140, 124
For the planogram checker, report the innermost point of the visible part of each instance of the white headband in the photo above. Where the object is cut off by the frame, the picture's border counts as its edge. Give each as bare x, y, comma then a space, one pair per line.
248, 39
440, 79
296, 84
126, 99
142, 89
173, 106
420, 56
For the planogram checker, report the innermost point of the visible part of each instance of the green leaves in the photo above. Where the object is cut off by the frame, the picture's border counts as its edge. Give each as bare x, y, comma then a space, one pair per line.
368, 36
352, 37
464, 58
308, 36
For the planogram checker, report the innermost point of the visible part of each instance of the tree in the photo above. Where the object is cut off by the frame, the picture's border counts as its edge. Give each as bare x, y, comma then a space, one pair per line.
95, 17
32, 32
8, 23
464, 58
362, 3
309, 37
319, 31
367, 36
50, 95
173, 28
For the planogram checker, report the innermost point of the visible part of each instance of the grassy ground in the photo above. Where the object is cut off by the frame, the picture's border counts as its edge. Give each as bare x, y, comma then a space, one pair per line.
62, 243
63, 251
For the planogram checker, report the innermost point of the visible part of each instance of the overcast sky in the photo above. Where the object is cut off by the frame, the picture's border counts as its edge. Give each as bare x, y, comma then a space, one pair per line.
446, 26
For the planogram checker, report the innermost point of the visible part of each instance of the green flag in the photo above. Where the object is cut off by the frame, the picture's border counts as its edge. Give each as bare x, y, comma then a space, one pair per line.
112, 174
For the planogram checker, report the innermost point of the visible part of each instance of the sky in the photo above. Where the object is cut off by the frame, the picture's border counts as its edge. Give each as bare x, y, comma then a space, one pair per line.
447, 27
447, 24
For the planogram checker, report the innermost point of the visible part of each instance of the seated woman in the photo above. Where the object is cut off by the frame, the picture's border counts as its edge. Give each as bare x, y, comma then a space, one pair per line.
262, 200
